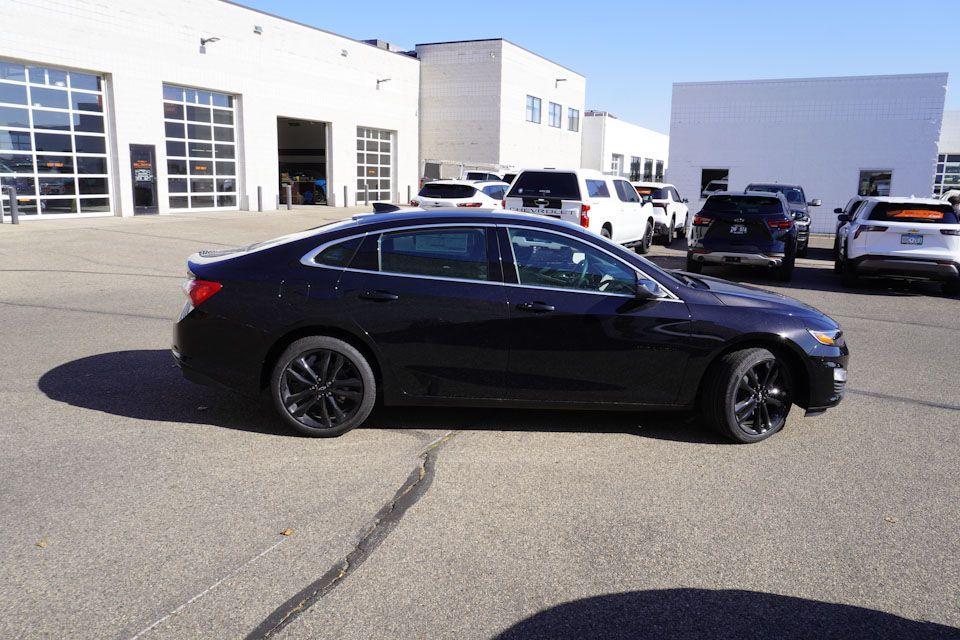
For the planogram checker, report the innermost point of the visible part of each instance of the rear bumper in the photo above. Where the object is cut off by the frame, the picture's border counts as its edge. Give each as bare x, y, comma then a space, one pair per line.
732, 257
894, 267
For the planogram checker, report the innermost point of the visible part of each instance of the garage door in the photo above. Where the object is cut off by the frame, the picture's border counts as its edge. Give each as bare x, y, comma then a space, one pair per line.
374, 165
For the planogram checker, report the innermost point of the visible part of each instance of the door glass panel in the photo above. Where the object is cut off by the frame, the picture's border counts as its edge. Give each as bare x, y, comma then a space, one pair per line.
546, 259
447, 253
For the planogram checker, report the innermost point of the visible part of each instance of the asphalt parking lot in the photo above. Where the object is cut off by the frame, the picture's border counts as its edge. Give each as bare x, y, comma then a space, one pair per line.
135, 504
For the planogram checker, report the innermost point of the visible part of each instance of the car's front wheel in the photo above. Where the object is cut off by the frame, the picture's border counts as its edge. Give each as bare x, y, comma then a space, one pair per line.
322, 386
748, 395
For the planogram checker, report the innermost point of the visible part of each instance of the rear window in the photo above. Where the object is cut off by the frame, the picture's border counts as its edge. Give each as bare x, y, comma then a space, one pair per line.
340, 254
654, 192
447, 191
546, 184
792, 194
746, 205
913, 213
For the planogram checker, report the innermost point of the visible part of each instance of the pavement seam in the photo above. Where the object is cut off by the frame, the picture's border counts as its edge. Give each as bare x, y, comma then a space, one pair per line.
386, 519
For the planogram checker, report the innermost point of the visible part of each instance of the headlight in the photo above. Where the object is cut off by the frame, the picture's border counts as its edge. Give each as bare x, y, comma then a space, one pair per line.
829, 338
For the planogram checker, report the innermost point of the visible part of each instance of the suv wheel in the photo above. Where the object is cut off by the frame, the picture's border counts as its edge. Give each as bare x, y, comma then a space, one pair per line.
748, 395
848, 271
643, 246
671, 233
322, 386
606, 232
785, 270
693, 266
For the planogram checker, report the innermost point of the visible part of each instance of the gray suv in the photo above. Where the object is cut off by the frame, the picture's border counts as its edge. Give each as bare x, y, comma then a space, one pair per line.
799, 208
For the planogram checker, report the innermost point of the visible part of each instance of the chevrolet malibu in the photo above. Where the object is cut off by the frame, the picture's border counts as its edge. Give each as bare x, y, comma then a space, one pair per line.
494, 309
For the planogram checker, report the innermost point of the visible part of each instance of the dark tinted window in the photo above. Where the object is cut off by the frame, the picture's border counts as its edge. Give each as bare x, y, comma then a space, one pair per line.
625, 191
546, 184
793, 195
434, 190
495, 192
746, 205
913, 213
340, 254
446, 253
597, 189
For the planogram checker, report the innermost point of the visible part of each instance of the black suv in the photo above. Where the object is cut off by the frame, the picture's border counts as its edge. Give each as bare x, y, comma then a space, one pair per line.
744, 228
799, 209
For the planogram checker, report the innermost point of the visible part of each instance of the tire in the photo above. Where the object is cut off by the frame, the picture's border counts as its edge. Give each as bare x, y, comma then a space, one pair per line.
951, 288
671, 233
693, 266
802, 252
848, 273
837, 265
352, 376
785, 270
643, 247
606, 232
737, 380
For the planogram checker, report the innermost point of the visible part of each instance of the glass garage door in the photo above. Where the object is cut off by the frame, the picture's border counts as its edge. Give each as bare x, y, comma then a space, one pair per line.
200, 129
374, 165
53, 142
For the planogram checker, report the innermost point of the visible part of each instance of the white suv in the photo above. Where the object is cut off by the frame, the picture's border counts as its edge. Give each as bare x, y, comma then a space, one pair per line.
907, 238
607, 205
461, 193
670, 210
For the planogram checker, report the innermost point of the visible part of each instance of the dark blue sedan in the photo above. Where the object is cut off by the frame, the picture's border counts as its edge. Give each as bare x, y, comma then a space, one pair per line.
495, 310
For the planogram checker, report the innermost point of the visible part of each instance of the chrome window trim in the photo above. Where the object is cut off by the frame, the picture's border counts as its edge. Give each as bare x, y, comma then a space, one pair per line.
308, 259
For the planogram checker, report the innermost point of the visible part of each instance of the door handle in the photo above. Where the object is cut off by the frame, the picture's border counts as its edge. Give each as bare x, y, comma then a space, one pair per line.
379, 296
536, 307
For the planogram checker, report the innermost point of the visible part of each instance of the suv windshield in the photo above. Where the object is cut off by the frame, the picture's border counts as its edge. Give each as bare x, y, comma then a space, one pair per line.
546, 184
745, 205
794, 195
913, 213
440, 190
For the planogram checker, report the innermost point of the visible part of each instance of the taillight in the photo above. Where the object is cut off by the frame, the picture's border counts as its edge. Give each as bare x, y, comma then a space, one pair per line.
950, 232
414, 203
199, 291
503, 203
779, 224
584, 215
867, 227
702, 221
469, 204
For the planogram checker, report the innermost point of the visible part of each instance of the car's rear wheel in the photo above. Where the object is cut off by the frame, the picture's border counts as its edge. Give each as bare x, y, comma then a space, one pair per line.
606, 232
693, 266
748, 395
322, 386
643, 246
848, 272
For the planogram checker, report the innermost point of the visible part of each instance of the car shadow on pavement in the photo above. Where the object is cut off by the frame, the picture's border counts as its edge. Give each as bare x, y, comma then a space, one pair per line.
147, 385
726, 614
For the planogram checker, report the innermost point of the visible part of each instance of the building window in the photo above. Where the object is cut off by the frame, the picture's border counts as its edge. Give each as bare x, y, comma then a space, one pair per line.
533, 109
659, 175
556, 115
573, 119
948, 174
201, 148
713, 180
53, 140
635, 164
648, 170
616, 164
875, 182
374, 165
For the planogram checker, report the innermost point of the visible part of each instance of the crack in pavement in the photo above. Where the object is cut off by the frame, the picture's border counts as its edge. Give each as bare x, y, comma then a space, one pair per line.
386, 519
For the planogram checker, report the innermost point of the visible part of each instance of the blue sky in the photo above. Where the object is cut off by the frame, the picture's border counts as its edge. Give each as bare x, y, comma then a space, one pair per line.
631, 52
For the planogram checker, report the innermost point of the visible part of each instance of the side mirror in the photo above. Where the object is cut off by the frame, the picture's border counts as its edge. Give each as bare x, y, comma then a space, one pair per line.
816, 202
838, 210
647, 289
843, 218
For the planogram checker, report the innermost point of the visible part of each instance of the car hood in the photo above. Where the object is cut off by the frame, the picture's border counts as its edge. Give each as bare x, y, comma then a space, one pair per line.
740, 295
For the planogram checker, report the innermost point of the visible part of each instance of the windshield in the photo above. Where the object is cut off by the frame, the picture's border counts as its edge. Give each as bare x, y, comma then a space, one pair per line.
914, 213
546, 184
441, 190
744, 205
794, 195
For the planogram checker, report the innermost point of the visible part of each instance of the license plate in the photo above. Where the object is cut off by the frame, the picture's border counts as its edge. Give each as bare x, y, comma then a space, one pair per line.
911, 238
731, 258
738, 229
540, 211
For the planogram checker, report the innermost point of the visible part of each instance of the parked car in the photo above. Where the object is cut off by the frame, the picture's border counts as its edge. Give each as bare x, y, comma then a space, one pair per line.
850, 210
607, 205
483, 176
670, 210
905, 238
713, 187
799, 208
461, 193
744, 228
468, 308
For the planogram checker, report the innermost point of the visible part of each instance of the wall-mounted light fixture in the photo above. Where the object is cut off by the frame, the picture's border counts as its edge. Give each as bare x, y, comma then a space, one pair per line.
344, 53
257, 29
556, 83
204, 41
379, 82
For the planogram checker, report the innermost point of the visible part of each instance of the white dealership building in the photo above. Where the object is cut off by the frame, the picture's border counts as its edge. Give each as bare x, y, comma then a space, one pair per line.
947, 176
837, 137
617, 147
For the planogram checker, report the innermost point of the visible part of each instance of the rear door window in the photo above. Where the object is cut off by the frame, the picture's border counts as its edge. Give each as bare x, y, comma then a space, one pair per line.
435, 190
625, 191
913, 213
597, 189
546, 184
459, 252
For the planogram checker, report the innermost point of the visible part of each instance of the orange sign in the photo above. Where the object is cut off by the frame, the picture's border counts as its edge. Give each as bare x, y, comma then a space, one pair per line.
142, 164
916, 214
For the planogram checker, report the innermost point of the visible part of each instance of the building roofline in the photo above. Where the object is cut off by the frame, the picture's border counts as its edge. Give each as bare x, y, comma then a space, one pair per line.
899, 76
310, 26
430, 44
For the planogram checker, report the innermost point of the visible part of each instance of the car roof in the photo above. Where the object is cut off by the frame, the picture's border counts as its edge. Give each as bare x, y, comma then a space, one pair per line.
904, 200
464, 181
766, 194
656, 185
419, 216
593, 174
773, 184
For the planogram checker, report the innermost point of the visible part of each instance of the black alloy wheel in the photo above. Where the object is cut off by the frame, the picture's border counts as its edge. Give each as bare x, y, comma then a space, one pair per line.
760, 399
323, 386
643, 246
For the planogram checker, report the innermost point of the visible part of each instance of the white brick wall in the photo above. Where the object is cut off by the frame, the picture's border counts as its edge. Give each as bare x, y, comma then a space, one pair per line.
604, 136
290, 70
950, 133
817, 132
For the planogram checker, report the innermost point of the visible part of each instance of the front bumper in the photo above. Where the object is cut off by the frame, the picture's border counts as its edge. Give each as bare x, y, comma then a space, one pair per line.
827, 382
907, 268
732, 257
